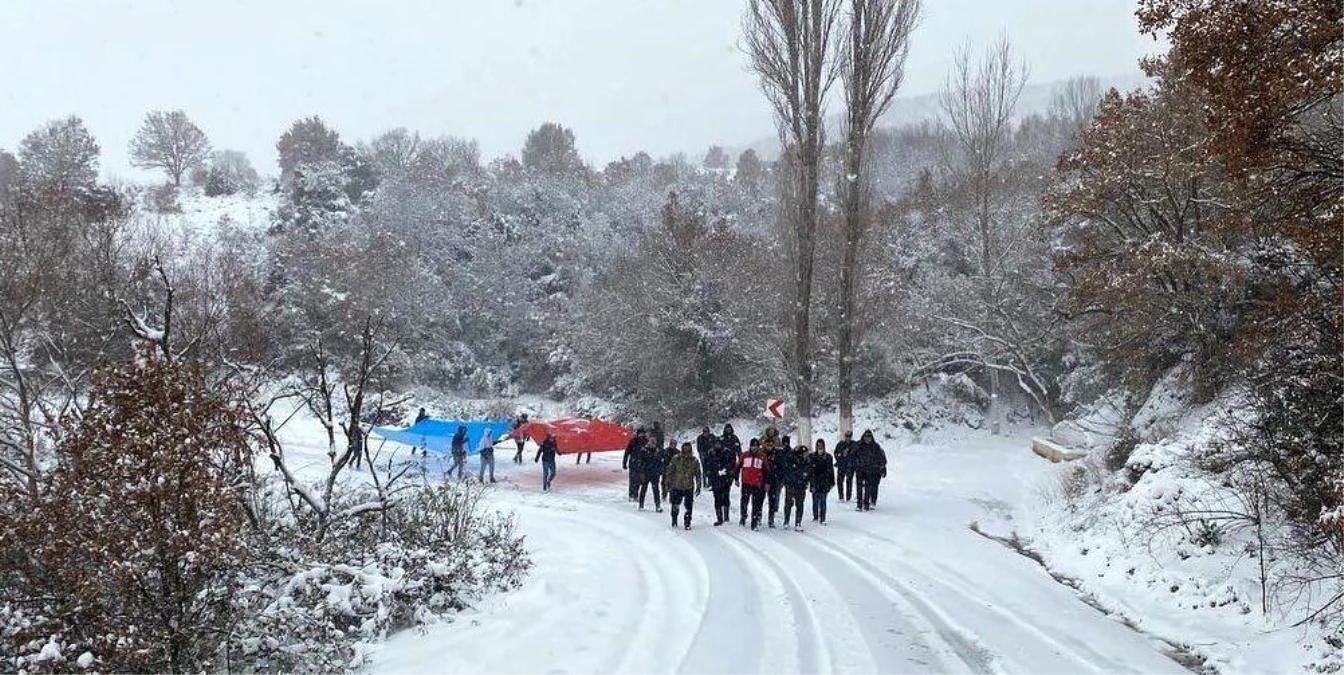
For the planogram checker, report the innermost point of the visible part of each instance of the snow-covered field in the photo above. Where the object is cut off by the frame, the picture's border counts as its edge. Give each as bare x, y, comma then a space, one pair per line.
906, 588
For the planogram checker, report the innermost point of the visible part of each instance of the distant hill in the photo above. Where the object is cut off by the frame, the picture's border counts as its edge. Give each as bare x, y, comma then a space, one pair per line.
908, 110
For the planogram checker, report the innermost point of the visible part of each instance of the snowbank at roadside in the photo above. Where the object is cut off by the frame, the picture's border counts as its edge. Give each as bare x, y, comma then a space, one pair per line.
1168, 546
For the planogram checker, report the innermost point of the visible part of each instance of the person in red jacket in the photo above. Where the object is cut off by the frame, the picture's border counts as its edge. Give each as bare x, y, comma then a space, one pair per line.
752, 473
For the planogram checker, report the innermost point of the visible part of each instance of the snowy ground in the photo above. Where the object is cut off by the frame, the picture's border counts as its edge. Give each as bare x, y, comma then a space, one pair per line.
1134, 552
906, 588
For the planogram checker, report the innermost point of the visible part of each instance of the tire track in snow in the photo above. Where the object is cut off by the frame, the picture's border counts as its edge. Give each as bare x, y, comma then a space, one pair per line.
732, 635
665, 589
810, 655
932, 572
957, 642
620, 658
976, 615
858, 609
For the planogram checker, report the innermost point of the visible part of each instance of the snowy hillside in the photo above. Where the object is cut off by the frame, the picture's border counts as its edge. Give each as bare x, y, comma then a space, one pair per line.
1177, 552
203, 217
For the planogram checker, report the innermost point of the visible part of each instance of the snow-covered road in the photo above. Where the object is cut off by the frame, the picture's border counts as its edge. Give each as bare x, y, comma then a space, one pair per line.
907, 588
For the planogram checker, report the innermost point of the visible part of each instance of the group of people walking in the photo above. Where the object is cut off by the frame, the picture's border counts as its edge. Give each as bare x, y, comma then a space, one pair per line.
769, 468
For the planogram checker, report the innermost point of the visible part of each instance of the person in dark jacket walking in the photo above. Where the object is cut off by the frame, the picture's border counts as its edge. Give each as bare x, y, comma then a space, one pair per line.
459, 452
656, 434
844, 467
419, 417
870, 465
720, 467
683, 481
664, 460
730, 441
771, 446
546, 453
703, 444
823, 479
752, 471
794, 473
633, 461
651, 468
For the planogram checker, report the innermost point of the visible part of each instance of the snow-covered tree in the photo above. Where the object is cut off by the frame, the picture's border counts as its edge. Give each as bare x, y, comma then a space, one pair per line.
308, 141
9, 176
230, 172
872, 68
1140, 193
550, 149
790, 44
716, 158
62, 156
169, 140
137, 534
393, 152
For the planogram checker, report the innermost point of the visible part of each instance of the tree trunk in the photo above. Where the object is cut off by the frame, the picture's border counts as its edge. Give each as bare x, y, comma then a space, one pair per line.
849, 277
802, 316
988, 295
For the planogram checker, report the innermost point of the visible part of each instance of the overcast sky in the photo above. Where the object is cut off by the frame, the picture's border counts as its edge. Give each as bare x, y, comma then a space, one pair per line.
626, 75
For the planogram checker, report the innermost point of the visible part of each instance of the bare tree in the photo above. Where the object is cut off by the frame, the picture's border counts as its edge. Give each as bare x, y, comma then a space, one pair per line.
394, 152
320, 397
169, 140
1075, 103
790, 46
872, 67
978, 102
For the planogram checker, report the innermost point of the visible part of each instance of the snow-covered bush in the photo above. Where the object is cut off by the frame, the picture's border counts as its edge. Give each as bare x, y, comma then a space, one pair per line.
154, 544
310, 605
129, 549
163, 199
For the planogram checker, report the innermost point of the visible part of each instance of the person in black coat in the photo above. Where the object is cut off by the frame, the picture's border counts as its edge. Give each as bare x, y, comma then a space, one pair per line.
823, 479
546, 453
771, 446
795, 474
720, 467
656, 434
844, 467
633, 461
664, 459
703, 444
459, 452
419, 417
651, 465
870, 465
730, 441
